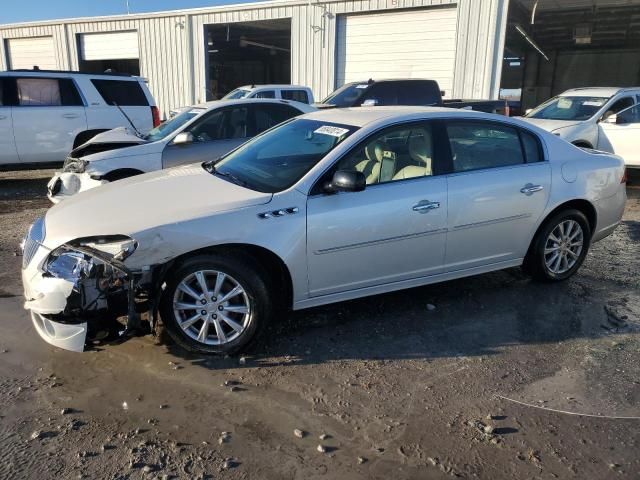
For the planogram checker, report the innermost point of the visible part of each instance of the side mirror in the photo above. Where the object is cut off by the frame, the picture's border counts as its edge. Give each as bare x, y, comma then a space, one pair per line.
613, 118
370, 102
528, 111
183, 138
347, 181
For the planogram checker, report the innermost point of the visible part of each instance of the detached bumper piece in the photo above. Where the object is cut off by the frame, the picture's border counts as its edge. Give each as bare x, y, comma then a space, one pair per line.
71, 337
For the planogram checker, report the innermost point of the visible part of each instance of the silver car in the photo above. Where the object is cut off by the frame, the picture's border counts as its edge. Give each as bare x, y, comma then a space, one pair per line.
329, 206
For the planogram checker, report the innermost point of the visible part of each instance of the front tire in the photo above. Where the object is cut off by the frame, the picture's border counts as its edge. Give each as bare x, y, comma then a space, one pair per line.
216, 304
559, 247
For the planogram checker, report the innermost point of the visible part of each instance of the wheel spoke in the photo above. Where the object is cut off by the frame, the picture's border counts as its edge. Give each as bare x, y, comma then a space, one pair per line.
576, 244
189, 291
547, 251
202, 282
572, 253
186, 306
237, 290
222, 338
236, 309
219, 281
204, 331
556, 263
190, 321
232, 323
553, 237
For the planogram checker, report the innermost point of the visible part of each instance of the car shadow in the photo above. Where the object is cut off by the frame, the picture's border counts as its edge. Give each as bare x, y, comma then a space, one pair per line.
475, 316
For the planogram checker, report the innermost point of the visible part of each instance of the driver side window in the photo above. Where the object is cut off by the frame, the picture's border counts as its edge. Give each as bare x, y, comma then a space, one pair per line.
618, 106
398, 153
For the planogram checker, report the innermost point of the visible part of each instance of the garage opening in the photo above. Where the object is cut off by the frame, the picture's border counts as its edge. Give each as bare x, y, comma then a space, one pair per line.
247, 53
31, 52
110, 51
552, 46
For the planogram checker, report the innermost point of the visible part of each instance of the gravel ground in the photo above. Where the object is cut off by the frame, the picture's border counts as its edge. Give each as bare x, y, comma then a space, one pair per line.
367, 389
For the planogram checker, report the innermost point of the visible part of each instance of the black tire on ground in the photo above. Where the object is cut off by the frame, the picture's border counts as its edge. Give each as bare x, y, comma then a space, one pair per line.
252, 279
535, 263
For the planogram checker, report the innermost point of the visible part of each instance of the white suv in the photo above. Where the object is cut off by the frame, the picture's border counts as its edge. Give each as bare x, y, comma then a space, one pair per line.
46, 114
588, 117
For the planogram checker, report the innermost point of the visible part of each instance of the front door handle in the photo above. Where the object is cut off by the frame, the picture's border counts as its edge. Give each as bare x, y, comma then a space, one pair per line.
425, 205
530, 189
70, 115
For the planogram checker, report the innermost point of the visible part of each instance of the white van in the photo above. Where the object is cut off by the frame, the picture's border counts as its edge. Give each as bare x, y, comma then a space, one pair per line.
46, 114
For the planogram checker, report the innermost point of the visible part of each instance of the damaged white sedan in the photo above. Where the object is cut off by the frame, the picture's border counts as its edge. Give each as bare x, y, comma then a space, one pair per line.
199, 133
326, 207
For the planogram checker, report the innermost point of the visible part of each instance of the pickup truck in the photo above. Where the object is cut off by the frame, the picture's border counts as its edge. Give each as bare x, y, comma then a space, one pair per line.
408, 92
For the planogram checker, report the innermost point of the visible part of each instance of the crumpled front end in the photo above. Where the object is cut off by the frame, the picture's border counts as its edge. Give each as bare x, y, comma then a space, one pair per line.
76, 289
66, 184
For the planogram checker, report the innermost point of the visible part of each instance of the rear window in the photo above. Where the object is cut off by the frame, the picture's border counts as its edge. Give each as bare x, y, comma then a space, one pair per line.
295, 95
47, 92
125, 93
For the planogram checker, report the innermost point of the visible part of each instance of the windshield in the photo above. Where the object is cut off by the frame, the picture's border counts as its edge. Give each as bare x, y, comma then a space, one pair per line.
347, 95
568, 108
171, 125
236, 94
278, 158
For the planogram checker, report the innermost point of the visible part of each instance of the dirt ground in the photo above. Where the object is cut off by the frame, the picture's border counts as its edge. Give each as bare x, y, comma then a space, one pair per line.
389, 386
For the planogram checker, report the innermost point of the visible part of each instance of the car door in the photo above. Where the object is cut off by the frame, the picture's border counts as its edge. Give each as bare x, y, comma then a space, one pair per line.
48, 115
393, 230
8, 152
497, 191
215, 133
622, 136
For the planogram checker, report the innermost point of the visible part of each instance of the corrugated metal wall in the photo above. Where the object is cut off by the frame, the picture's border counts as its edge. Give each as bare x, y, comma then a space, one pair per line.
172, 44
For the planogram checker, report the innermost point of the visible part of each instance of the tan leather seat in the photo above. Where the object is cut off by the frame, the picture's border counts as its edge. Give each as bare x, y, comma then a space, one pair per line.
371, 166
421, 152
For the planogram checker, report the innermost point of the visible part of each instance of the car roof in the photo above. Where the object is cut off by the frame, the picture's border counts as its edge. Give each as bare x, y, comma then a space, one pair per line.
597, 91
214, 104
67, 73
272, 85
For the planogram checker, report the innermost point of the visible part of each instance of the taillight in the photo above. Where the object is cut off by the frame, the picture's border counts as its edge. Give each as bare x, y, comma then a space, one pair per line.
624, 177
155, 113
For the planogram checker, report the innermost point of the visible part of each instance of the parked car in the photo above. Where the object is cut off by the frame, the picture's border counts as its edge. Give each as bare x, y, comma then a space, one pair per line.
45, 114
294, 93
329, 206
417, 92
202, 132
584, 117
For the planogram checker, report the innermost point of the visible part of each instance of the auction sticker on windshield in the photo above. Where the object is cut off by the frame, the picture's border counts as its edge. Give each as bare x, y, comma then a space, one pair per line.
333, 131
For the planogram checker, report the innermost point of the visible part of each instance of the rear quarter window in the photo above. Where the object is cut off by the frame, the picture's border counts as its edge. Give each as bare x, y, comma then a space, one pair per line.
295, 95
532, 147
125, 93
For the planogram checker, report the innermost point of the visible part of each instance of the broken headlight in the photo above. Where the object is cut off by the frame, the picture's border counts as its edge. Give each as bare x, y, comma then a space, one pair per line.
74, 165
70, 264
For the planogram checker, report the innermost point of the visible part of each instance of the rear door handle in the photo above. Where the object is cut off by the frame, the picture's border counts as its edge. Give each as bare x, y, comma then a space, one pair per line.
530, 189
70, 115
425, 205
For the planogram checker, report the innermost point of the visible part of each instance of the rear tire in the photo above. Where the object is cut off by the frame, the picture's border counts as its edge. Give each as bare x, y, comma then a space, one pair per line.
237, 305
559, 247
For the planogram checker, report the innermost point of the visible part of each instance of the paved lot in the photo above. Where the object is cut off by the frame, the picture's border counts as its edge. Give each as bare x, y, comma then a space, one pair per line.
400, 390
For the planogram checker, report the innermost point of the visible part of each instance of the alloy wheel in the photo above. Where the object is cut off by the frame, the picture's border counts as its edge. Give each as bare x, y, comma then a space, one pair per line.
211, 307
563, 247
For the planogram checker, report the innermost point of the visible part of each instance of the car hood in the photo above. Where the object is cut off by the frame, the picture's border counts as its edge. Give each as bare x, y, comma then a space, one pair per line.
120, 137
144, 202
551, 125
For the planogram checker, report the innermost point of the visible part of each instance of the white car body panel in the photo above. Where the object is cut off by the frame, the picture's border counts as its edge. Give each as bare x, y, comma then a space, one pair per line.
590, 132
41, 134
623, 138
151, 156
330, 254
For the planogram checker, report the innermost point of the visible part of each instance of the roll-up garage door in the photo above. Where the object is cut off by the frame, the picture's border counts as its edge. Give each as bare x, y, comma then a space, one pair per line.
109, 46
30, 52
404, 44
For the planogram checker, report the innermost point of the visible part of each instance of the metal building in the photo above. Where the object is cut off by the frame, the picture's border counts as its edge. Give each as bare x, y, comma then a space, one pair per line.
189, 56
